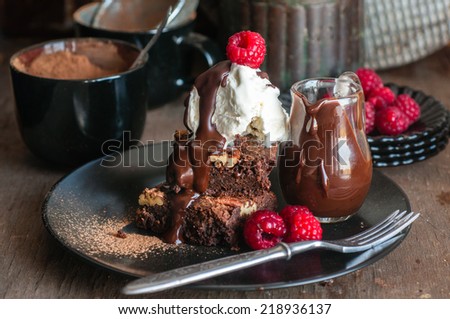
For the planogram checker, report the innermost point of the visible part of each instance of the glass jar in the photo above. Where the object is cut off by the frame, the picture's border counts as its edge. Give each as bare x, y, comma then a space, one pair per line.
327, 164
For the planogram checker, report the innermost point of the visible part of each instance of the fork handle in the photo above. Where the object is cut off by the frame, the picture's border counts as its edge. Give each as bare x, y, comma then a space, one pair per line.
194, 273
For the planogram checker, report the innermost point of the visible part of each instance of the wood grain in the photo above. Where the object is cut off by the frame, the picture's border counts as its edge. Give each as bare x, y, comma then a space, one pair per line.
33, 265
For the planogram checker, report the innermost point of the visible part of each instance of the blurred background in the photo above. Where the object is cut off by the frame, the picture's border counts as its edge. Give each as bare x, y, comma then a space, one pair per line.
305, 37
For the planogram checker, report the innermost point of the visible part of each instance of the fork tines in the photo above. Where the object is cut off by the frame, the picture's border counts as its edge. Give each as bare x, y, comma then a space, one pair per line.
391, 226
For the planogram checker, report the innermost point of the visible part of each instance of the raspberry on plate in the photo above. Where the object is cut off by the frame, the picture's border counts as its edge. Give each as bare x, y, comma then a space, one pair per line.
388, 113
391, 121
369, 80
246, 48
381, 97
408, 106
370, 116
264, 229
300, 224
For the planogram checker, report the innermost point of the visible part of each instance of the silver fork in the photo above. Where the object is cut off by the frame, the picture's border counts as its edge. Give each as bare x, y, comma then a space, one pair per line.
383, 231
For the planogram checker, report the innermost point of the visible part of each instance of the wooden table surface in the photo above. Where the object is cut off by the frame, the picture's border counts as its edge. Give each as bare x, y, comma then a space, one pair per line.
34, 265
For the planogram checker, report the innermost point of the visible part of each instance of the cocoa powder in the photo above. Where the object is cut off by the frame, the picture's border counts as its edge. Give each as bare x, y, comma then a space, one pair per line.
67, 65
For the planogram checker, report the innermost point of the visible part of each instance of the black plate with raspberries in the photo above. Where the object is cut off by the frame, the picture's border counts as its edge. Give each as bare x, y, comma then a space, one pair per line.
424, 138
403, 125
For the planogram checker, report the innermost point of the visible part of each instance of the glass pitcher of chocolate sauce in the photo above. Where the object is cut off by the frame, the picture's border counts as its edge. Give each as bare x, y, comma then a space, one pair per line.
327, 165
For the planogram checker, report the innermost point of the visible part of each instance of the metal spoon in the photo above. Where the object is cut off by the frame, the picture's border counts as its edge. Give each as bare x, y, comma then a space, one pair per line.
189, 7
176, 11
140, 59
99, 11
102, 7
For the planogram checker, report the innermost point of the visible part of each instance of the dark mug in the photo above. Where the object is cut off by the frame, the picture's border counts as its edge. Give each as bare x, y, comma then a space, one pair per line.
69, 119
169, 67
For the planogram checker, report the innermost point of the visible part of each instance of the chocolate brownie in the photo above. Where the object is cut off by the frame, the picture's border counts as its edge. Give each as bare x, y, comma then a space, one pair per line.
238, 184
153, 209
208, 221
218, 221
243, 170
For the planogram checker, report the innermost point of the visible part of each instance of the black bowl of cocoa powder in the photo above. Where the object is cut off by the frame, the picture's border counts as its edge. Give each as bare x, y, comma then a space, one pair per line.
76, 96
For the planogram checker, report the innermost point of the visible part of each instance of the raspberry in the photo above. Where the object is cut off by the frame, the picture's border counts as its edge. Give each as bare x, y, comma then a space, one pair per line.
264, 229
370, 116
377, 102
290, 210
246, 48
381, 97
369, 80
391, 121
300, 224
408, 106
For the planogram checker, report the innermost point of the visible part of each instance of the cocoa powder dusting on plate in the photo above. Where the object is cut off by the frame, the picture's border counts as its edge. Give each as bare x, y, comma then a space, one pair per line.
111, 237
107, 234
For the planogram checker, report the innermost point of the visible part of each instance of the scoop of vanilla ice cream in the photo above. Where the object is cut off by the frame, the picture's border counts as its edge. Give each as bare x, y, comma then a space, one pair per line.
247, 104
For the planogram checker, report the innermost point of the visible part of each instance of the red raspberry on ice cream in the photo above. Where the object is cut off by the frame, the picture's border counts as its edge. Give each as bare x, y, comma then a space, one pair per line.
246, 48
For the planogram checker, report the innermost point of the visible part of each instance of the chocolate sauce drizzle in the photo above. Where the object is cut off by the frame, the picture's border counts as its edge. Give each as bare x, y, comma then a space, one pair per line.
330, 188
189, 165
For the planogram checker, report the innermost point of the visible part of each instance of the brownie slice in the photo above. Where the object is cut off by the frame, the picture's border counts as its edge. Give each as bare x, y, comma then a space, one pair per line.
153, 212
218, 221
208, 221
243, 170
238, 184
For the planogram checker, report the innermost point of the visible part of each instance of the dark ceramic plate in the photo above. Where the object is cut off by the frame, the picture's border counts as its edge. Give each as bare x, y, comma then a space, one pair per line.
413, 157
435, 142
405, 153
85, 209
434, 118
410, 146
